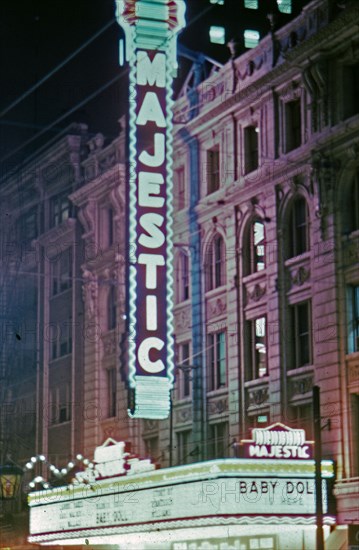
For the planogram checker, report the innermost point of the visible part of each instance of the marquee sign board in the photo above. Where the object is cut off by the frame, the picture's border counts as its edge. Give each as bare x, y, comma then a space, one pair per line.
277, 442
150, 27
251, 490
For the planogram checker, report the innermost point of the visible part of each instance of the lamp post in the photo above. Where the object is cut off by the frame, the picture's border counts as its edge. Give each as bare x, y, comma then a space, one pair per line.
10, 481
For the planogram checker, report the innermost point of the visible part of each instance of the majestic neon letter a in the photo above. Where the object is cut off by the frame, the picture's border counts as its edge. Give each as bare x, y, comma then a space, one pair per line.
151, 28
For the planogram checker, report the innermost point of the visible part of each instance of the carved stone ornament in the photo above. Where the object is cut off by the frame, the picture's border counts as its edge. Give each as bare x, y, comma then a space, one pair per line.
217, 307
184, 415
150, 425
182, 319
255, 294
218, 406
301, 386
300, 276
90, 293
258, 396
353, 373
109, 344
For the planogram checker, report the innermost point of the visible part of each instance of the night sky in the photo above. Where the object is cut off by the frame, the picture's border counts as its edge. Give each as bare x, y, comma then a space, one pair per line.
37, 35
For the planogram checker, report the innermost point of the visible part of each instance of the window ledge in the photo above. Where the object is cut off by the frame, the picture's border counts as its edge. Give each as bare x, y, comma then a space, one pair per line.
60, 358
257, 382
300, 370
297, 259
258, 275
53, 296
214, 291
217, 392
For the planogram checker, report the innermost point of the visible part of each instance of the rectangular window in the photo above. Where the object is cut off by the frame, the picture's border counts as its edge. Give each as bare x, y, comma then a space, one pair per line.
107, 227
151, 448
183, 446
256, 336
300, 344
60, 209
285, 6
251, 38
218, 440
213, 180
293, 125
179, 188
354, 403
350, 90
217, 35
62, 272
216, 343
28, 226
250, 148
111, 392
60, 404
61, 339
251, 4
184, 376
353, 318
301, 417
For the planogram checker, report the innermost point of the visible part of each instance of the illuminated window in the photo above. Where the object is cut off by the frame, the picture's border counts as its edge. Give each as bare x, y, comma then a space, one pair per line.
215, 264
60, 209
254, 248
218, 446
293, 128
111, 392
250, 148
217, 35
251, 38
353, 318
213, 175
285, 6
300, 341
251, 4
183, 374
219, 2
216, 346
256, 343
182, 277
183, 446
298, 230
179, 188
61, 271
351, 90
111, 309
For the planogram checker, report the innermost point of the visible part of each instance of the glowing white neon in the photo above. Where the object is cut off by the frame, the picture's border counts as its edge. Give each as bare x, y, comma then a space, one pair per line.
158, 158
151, 111
151, 312
148, 186
153, 367
151, 261
151, 222
152, 72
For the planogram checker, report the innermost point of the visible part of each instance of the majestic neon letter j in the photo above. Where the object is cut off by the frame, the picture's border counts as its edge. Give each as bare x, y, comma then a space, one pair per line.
151, 28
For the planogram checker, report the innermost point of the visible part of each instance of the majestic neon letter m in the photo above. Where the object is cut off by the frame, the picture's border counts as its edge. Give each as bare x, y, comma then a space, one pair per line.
150, 27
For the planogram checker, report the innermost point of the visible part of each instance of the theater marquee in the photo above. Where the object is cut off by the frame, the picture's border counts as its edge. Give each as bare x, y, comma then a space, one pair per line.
150, 29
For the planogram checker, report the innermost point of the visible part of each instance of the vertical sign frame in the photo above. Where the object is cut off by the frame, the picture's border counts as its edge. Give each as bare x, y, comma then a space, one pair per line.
151, 28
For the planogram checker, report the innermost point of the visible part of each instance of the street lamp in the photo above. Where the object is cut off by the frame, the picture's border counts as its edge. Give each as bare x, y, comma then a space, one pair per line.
10, 481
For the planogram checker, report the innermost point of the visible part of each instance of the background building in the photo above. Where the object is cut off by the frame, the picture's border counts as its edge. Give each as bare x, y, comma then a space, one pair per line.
266, 265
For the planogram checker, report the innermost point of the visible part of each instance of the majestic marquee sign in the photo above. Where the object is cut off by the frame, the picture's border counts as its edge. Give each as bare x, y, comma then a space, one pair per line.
277, 442
150, 27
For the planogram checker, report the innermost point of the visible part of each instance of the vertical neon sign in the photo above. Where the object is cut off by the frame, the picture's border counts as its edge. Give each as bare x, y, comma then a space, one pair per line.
150, 28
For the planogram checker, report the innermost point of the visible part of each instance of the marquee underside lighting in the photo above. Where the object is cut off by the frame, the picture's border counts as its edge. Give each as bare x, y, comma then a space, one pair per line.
151, 29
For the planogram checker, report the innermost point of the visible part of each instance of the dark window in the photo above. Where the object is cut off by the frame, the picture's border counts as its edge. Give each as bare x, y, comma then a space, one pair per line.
254, 249
300, 343
62, 272
256, 344
298, 234
183, 371
351, 90
61, 339
218, 440
60, 209
353, 204
182, 277
250, 148
60, 404
111, 309
354, 404
301, 417
111, 392
110, 226
293, 125
216, 343
353, 318
183, 446
28, 225
213, 180
215, 264
179, 188
151, 447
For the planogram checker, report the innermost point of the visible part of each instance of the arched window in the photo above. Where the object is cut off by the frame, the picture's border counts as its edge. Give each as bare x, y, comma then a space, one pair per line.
254, 248
353, 204
215, 263
182, 277
297, 231
111, 309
